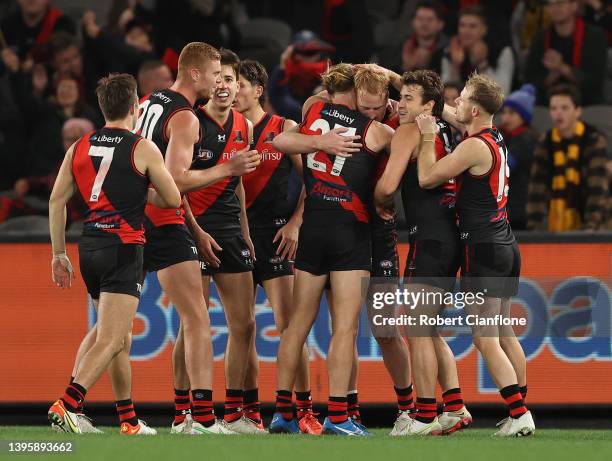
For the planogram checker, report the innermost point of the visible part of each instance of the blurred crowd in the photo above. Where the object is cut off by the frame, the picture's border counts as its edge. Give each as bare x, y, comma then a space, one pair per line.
552, 58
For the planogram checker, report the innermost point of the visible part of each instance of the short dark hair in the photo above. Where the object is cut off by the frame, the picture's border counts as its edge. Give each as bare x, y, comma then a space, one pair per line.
473, 10
255, 73
566, 89
432, 86
229, 58
430, 5
116, 95
61, 41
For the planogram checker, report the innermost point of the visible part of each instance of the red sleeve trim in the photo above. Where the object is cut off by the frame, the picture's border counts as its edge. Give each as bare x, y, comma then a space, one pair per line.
493, 163
138, 139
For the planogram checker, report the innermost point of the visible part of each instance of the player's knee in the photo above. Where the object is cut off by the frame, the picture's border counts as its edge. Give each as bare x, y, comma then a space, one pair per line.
346, 330
484, 344
243, 329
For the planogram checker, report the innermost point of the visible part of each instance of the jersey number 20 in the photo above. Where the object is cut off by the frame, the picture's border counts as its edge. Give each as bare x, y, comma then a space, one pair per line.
312, 163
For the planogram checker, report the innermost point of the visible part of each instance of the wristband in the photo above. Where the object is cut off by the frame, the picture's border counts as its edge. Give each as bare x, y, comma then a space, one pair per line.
428, 137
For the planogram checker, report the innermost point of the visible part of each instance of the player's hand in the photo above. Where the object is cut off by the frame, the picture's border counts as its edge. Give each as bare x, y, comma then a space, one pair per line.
385, 211
10, 59
245, 161
61, 271
427, 124
336, 143
249, 242
207, 246
288, 235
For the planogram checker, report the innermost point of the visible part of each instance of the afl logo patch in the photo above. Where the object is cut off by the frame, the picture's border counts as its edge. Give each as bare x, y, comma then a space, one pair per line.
205, 154
270, 137
238, 136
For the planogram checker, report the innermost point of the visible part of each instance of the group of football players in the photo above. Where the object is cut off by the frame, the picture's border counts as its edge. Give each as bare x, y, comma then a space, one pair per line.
192, 181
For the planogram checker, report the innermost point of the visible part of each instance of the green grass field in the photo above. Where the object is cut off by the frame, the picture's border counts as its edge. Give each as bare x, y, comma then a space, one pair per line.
471, 444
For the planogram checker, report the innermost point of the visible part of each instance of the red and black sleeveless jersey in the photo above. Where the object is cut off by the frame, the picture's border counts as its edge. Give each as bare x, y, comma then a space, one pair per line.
217, 207
431, 211
266, 188
339, 189
481, 200
156, 110
114, 191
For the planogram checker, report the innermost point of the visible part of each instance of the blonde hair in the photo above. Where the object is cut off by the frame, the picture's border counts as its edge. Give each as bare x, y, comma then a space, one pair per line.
339, 78
486, 92
195, 54
371, 81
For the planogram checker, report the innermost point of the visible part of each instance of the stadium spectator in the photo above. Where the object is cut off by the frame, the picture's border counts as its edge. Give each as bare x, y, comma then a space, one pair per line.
123, 53
67, 60
451, 93
468, 51
153, 75
424, 47
529, 17
569, 51
569, 185
599, 13
30, 27
521, 140
299, 73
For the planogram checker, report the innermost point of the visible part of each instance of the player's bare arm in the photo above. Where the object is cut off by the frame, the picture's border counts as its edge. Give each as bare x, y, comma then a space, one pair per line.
334, 142
206, 244
450, 115
472, 154
289, 233
244, 220
378, 137
149, 161
183, 132
64, 188
403, 146
394, 78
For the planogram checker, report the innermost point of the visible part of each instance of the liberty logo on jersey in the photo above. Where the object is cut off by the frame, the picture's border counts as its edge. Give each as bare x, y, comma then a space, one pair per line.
104, 138
339, 115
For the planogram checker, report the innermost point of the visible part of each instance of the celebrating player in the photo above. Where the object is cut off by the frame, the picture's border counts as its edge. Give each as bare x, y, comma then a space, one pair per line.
111, 169
372, 97
220, 209
433, 258
274, 228
334, 241
168, 119
490, 259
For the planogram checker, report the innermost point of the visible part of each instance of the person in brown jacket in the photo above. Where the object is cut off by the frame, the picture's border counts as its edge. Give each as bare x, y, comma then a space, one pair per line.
569, 185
